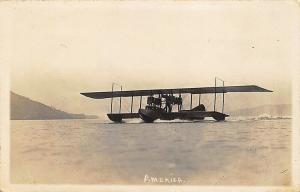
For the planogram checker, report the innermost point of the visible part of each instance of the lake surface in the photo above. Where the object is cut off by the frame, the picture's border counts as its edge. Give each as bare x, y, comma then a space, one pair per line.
245, 152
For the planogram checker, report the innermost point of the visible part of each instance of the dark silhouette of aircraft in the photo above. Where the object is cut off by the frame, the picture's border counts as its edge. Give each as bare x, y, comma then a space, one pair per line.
160, 102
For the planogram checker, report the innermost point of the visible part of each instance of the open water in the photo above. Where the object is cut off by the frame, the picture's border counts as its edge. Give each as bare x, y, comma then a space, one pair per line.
239, 152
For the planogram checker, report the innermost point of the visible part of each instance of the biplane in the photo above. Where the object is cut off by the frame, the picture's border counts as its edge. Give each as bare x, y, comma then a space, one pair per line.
161, 102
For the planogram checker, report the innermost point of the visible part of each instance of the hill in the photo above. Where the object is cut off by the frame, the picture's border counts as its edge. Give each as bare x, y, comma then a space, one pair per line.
23, 108
282, 110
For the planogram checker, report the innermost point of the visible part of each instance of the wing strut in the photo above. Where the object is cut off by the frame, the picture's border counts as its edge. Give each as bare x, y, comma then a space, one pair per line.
112, 97
223, 95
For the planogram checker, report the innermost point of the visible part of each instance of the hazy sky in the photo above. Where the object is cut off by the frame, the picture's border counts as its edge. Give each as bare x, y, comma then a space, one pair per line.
60, 49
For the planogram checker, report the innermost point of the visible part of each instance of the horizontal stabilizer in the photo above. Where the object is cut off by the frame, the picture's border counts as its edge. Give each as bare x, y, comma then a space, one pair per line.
199, 90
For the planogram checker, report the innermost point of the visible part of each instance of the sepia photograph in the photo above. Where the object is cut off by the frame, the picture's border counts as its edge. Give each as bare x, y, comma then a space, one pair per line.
177, 95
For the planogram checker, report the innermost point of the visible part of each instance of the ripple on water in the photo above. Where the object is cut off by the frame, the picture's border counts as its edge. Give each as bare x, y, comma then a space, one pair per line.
201, 151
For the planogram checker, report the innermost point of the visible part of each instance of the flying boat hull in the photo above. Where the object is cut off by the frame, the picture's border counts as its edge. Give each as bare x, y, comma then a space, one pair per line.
148, 115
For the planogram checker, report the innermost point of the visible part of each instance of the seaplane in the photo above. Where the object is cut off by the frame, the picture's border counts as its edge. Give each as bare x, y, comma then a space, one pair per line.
161, 102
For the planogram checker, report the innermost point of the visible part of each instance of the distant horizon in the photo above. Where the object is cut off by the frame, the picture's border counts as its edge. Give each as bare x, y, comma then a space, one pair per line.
233, 101
104, 117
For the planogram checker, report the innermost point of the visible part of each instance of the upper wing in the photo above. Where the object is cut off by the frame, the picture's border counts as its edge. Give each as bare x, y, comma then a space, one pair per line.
200, 90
